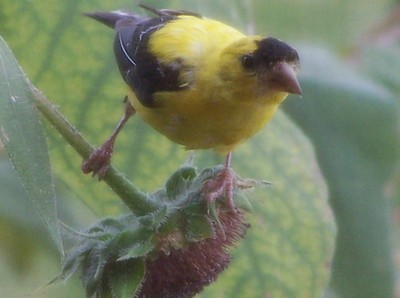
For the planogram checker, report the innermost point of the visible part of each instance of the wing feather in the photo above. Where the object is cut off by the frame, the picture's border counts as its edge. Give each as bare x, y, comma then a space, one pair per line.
141, 69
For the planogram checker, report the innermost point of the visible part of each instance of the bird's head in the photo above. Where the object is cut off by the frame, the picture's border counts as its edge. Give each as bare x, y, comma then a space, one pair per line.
266, 65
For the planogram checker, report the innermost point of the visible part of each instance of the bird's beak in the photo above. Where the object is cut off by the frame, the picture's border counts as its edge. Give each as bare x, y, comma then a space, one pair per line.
282, 77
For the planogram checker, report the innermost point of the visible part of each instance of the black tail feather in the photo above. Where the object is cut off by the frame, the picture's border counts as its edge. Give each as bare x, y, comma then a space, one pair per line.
169, 12
111, 19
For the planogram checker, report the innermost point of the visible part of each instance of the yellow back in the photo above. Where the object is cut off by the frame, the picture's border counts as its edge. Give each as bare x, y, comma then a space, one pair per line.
192, 39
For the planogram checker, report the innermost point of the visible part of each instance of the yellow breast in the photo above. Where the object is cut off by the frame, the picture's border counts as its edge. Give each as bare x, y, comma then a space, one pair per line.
220, 108
197, 123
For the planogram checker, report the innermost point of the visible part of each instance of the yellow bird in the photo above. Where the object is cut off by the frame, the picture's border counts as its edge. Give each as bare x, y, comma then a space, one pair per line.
197, 81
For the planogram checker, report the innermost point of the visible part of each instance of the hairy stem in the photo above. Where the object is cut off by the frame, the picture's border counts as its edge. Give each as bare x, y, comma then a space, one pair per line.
132, 196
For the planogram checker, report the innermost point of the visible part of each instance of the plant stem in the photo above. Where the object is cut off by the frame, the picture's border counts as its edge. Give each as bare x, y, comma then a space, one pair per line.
132, 196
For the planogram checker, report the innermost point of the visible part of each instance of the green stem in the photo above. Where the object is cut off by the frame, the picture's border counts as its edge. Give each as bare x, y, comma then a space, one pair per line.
132, 196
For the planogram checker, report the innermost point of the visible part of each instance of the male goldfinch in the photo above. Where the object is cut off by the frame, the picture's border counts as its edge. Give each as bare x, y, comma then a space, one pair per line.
199, 82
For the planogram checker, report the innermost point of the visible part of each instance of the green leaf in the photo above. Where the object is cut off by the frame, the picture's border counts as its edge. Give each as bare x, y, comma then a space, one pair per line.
14, 201
177, 183
125, 283
73, 262
20, 235
140, 249
381, 65
353, 124
243, 203
155, 219
23, 138
199, 227
89, 267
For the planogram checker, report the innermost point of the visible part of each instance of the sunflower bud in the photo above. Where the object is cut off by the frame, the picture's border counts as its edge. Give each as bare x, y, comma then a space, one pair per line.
174, 251
186, 271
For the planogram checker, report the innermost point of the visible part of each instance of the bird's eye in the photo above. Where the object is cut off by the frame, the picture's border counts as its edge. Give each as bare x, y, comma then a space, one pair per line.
248, 61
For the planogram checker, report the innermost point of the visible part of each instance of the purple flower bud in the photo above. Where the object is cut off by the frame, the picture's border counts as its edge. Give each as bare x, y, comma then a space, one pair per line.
186, 271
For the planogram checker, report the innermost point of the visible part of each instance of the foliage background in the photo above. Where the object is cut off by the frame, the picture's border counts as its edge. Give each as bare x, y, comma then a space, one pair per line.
350, 60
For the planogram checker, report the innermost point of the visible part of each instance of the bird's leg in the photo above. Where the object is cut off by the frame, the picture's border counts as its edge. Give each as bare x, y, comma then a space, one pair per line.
99, 160
223, 184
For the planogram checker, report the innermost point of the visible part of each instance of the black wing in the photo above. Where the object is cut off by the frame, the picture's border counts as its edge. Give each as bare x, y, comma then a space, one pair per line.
140, 69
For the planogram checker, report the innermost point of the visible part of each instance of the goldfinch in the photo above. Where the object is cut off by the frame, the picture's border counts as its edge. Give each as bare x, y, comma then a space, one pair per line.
197, 81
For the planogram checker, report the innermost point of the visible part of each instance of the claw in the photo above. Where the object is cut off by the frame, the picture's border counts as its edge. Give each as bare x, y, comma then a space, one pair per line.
221, 185
99, 160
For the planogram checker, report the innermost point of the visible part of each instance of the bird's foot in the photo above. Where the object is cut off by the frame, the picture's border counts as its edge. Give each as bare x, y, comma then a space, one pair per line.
221, 186
99, 160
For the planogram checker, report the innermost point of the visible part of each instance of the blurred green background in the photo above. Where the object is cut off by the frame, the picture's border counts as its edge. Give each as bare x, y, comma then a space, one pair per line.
349, 111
